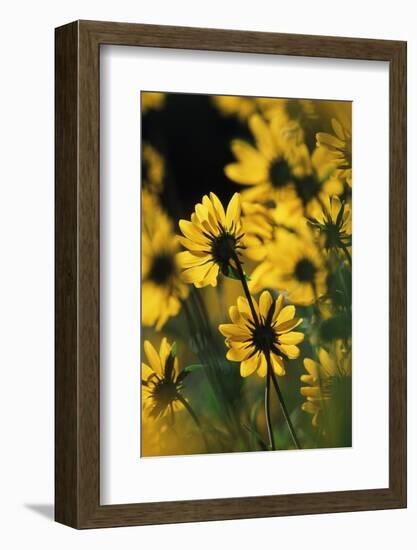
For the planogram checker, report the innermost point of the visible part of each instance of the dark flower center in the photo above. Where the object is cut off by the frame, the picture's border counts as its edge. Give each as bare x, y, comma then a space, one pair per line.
305, 271
331, 232
223, 249
163, 394
165, 391
279, 173
263, 337
307, 188
163, 267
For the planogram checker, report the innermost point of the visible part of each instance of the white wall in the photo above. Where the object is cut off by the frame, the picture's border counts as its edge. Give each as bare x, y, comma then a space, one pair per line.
26, 273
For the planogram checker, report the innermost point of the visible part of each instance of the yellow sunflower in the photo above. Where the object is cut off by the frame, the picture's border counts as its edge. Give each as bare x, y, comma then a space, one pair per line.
293, 264
265, 169
152, 101
270, 336
257, 226
152, 170
232, 105
294, 115
314, 181
161, 380
212, 238
279, 170
163, 290
334, 223
339, 146
323, 377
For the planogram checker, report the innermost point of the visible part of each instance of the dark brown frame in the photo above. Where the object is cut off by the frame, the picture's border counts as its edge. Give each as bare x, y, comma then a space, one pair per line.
77, 274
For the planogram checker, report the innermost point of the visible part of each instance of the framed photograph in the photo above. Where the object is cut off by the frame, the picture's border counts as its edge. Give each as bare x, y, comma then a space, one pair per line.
230, 274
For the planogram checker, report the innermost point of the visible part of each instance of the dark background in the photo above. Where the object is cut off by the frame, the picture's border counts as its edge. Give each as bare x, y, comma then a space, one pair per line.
194, 139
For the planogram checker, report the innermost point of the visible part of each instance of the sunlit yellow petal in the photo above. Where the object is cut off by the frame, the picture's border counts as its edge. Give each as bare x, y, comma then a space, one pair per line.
210, 278
234, 331
153, 357
146, 372
263, 366
312, 367
277, 364
263, 136
291, 338
310, 392
292, 352
190, 231
249, 366
188, 259
265, 302
278, 307
288, 325
197, 273
244, 308
238, 354
233, 211
234, 315
218, 207
285, 314
327, 363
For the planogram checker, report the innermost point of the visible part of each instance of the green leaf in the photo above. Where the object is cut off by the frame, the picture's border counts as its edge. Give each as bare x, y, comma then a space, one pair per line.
174, 349
233, 273
192, 368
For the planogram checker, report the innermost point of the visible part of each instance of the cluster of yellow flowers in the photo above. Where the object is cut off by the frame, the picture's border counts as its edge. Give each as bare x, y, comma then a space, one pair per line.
285, 236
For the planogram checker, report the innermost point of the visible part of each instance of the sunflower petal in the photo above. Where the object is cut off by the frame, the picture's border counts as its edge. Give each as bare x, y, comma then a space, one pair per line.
288, 325
312, 367
238, 354
327, 363
218, 208
309, 407
265, 302
153, 357
233, 211
285, 314
277, 364
190, 231
263, 136
249, 366
311, 392
146, 372
234, 315
210, 278
278, 307
188, 259
234, 332
196, 274
291, 338
292, 352
263, 366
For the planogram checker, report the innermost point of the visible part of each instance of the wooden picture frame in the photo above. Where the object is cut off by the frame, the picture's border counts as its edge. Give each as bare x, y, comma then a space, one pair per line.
77, 403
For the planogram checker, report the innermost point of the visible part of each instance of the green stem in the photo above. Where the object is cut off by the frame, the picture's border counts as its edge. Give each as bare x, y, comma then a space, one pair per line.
282, 403
194, 417
268, 409
245, 287
347, 254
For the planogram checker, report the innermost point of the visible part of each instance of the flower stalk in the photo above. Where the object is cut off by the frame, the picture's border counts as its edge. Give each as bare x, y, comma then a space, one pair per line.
191, 412
283, 405
268, 409
270, 371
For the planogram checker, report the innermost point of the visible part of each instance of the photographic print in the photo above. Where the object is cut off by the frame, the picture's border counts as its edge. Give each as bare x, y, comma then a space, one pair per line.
246, 273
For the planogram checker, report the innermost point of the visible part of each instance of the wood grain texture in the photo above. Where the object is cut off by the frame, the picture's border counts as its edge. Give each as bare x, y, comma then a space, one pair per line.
66, 236
78, 284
